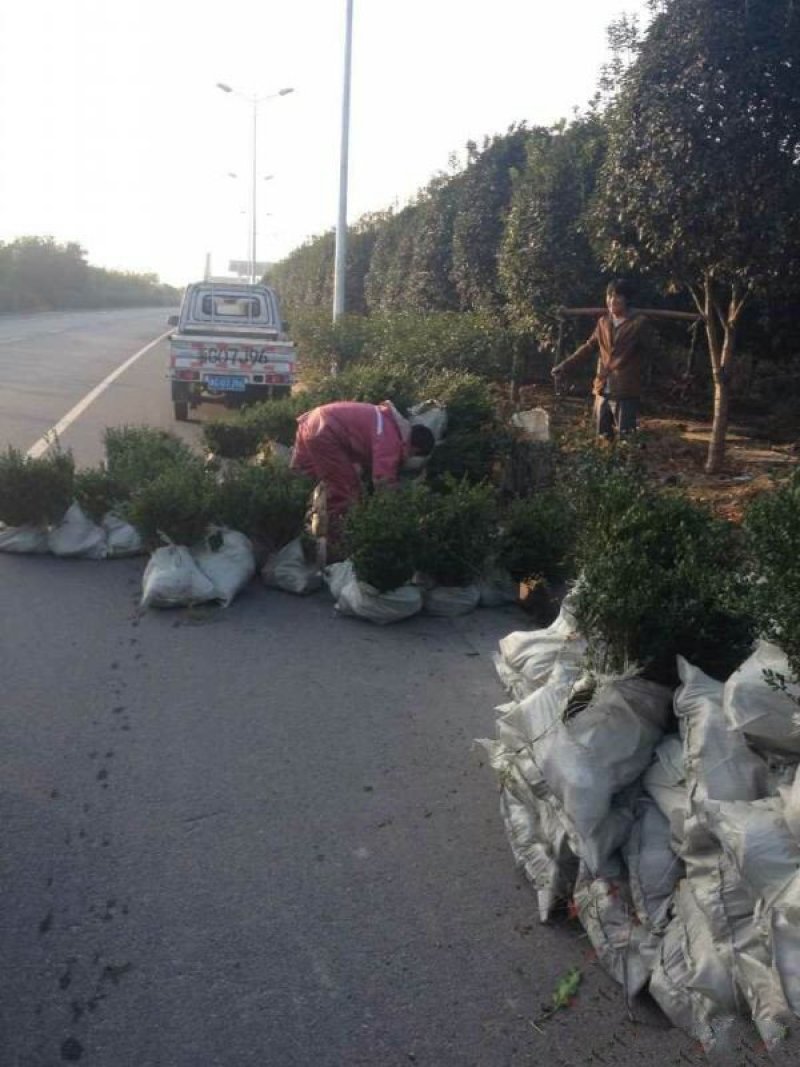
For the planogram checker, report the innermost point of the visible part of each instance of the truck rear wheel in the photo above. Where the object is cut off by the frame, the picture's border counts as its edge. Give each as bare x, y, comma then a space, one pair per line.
181, 410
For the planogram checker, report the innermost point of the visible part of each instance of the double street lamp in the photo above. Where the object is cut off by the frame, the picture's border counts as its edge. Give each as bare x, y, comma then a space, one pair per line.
255, 101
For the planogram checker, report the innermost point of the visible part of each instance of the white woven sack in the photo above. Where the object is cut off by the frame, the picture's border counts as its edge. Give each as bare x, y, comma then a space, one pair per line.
765, 715
598, 752
172, 579
364, 601
337, 575
534, 653
122, 538
449, 601
653, 868
77, 536
665, 781
229, 567
498, 588
534, 423
719, 763
431, 414
289, 570
24, 539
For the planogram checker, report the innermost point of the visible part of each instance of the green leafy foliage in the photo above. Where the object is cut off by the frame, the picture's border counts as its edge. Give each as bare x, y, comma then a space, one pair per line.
268, 503
232, 438
178, 503
370, 383
382, 537
661, 577
456, 532
37, 491
276, 420
39, 273
772, 529
135, 455
97, 492
538, 537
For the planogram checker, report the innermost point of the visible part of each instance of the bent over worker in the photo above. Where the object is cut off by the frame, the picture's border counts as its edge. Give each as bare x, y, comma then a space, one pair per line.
335, 442
620, 338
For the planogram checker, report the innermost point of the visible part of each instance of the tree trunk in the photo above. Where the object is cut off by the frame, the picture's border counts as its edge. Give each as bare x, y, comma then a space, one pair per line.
722, 373
719, 427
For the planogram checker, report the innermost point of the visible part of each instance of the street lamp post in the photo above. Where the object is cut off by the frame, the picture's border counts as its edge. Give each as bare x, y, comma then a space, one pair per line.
255, 101
340, 268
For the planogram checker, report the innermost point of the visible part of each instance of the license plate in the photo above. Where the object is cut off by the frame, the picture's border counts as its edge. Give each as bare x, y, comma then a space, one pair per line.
226, 385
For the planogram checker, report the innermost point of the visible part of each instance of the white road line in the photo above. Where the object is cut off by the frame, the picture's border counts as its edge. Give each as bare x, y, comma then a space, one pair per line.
10, 340
42, 445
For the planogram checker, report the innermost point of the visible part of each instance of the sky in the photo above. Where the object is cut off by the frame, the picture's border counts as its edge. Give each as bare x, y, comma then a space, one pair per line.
113, 133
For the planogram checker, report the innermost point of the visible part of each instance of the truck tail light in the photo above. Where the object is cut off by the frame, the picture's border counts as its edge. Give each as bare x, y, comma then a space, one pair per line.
188, 375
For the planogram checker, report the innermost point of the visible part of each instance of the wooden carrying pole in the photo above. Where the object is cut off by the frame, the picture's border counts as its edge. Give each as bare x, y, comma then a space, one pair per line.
652, 313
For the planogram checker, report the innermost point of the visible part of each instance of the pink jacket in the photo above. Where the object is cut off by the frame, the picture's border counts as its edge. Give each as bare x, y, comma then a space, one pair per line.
375, 436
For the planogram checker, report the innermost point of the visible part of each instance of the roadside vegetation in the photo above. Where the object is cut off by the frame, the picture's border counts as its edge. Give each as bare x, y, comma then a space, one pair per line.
41, 274
680, 173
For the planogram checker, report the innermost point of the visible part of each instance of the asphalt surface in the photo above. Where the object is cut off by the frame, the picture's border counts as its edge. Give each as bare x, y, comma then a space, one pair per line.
259, 836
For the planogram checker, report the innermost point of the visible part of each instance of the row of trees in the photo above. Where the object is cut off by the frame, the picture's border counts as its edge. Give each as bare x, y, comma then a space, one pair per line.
683, 172
39, 274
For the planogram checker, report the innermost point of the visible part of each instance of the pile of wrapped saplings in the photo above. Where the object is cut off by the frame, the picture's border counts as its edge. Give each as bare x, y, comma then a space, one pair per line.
669, 821
207, 526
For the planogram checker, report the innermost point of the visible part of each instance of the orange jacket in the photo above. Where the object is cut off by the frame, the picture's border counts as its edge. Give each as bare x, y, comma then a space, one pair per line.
619, 360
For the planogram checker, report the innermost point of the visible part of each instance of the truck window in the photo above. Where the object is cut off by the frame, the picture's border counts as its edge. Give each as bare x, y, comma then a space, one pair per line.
231, 307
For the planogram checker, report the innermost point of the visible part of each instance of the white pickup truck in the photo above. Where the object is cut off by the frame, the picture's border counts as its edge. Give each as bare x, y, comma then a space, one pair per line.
229, 344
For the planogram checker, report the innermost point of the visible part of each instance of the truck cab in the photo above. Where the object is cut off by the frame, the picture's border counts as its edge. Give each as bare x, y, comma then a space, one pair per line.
229, 344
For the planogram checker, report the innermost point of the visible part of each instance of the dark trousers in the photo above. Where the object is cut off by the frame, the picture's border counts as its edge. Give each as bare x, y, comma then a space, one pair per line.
615, 416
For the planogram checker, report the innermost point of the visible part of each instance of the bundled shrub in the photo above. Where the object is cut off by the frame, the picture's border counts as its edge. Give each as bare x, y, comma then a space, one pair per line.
660, 577
468, 399
276, 420
36, 491
468, 454
456, 531
178, 504
598, 486
267, 503
98, 493
371, 383
135, 455
232, 438
382, 537
772, 530
538, 537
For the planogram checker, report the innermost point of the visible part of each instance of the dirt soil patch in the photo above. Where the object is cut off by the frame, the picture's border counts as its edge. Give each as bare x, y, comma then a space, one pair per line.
674, 449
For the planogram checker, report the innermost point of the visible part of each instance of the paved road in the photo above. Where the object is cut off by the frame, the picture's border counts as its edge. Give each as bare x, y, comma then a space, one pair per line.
260, 837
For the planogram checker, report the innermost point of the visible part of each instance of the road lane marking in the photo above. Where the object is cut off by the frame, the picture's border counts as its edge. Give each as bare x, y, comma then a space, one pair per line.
47, 441
10, 340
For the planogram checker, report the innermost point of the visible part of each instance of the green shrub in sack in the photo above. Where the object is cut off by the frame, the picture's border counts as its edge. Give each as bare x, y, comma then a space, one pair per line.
135, 455
772, 530
178, 504
276, 420
468, 399
382, 537
371, 383
36, 491
456, 532
268, 503
98, 493
538, 537
661, 577
232, 438
465, 454
600, 484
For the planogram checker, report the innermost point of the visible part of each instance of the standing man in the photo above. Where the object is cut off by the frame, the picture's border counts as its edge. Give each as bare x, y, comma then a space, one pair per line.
620, 338
335, 442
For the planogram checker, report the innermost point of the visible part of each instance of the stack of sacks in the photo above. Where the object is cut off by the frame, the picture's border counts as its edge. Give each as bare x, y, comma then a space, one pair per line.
680, 850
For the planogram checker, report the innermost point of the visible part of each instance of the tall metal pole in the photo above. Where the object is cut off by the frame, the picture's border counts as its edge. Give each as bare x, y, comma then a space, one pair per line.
340, 268
253, 261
